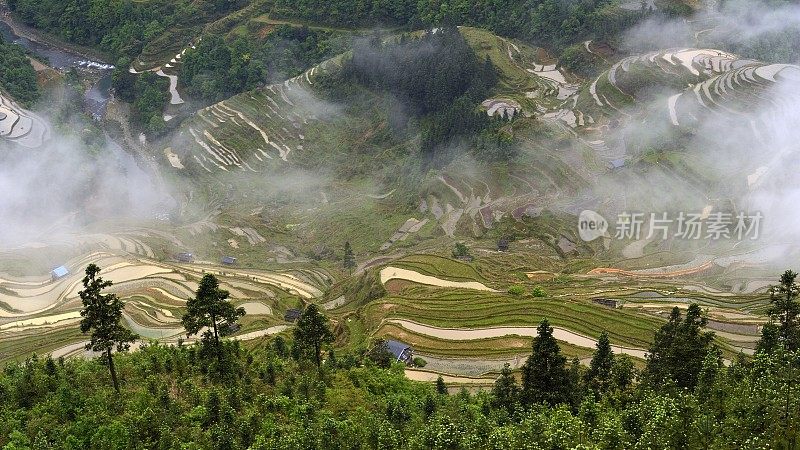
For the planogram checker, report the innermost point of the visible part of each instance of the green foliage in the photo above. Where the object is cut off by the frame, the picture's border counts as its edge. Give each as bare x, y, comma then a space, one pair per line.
123, 81
505, 392
539, 292
576, 59
438, 80
379, 354
545, 377
217, 69
679, 349
784, 311
419, 362
312, 333
598, 378
150, 96
101, 314
516, 290
17, 76
348, 12
550, 21
348, 260
169, 402
460, 250
441, 387
118, 28
211, 310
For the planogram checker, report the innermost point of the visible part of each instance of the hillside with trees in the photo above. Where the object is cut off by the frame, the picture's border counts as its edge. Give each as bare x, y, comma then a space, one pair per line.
118, 28
308, 394
17, 76
438, 81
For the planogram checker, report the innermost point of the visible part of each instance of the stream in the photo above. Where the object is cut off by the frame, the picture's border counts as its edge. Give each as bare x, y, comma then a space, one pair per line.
97, 97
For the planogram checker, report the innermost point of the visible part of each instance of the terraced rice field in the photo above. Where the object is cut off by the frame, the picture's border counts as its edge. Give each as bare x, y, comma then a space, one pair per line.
450, 320
20, 126
257, 128
42, 314
718, 83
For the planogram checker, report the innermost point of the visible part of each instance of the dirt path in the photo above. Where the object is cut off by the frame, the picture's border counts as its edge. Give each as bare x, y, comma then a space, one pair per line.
466, 334
430, 377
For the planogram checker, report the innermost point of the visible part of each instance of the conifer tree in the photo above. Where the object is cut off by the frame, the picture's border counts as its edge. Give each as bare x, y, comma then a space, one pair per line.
505, 391
349, 259
545, 378
441, 387
679, 348
784, 310
210, 309
598, 377
101, 315
311, 333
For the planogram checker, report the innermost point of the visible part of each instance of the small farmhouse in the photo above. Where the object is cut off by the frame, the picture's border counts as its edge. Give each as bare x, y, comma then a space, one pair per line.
401, 352
292, 315
184, 257
58, 273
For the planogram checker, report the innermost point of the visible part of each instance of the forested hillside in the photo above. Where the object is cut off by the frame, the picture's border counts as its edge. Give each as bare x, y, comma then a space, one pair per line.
119, 28
272, 395
437, 79
547, 21
17, 76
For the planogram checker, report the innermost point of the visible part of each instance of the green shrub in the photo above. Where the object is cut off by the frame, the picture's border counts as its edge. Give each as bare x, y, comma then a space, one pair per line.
516, 290
419, 362
538, 291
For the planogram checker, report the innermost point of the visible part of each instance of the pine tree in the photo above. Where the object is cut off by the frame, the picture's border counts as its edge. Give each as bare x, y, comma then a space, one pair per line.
349, 258
679, 348
545, 378
211, 309
101, 315
441, 387
506, 392
311, 333
598, 377
784, 310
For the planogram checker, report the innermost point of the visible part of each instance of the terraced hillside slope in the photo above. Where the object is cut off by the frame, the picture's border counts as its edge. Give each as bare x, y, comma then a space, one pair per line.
21, 127
41, 313
464, 319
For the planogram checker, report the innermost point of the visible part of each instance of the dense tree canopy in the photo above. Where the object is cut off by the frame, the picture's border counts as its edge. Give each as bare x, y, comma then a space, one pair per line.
168, 401
117, 27
17, 76
679, 349
217, 68
437, 79
556, 22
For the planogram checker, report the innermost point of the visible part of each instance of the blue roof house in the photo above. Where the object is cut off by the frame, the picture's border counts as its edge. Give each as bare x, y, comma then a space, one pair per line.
59, 272
401, 352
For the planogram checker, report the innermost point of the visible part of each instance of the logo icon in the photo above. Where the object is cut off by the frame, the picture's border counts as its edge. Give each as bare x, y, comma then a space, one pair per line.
591, 225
